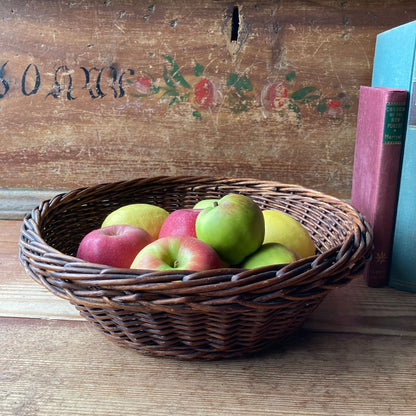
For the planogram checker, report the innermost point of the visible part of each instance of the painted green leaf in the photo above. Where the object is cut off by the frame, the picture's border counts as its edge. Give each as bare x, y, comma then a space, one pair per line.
302, 93
197, 115
167, 78
290, 76
232, 79
175, 73
184, 97
170, 93
154, 89
173, 101
180, 79
243, 83
321, 107
310, 98
198, 70
295, 108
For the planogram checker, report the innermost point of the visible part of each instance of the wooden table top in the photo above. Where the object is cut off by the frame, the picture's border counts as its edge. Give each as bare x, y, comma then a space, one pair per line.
356, 355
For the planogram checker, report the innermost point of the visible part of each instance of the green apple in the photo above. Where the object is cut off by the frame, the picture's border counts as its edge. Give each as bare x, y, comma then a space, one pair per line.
282, 228
233, 226
205, 203
147, 216
268, 254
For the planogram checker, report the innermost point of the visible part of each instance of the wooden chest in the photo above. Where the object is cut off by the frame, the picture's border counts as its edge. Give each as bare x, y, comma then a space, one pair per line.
99, 91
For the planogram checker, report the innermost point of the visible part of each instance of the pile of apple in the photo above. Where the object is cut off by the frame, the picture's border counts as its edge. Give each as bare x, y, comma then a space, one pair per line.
229, 232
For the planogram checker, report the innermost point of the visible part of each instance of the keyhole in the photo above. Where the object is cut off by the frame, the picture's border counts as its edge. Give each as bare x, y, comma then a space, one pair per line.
235, 24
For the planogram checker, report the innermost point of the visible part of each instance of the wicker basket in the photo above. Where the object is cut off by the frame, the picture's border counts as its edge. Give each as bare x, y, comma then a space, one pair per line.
194, 315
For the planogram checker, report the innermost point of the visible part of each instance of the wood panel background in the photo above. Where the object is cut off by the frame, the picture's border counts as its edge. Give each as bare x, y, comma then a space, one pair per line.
98, 91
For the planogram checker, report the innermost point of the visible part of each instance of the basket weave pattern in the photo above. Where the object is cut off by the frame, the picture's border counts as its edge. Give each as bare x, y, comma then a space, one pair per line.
193, 315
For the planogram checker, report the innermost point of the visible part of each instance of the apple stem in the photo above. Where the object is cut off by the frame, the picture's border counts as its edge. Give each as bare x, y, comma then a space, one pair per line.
175, 264
215, 203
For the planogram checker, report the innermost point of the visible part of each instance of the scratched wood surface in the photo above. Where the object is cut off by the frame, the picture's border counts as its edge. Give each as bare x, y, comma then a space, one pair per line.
65, 368
93, 92
355, 356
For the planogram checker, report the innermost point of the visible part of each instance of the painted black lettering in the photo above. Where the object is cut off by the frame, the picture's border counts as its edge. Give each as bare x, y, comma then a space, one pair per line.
114, 80
3, 82
56, 89
87, 85
120, 81
37, 81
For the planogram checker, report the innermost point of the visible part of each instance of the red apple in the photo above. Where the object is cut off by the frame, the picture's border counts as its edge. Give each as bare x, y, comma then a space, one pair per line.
177, 252
116, 245
180, 222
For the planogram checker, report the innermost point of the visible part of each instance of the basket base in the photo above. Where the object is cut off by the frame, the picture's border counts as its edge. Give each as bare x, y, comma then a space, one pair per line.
190, 354
203, 350
195, 335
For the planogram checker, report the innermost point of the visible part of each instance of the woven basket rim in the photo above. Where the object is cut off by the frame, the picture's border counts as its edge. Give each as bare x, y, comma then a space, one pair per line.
213, 285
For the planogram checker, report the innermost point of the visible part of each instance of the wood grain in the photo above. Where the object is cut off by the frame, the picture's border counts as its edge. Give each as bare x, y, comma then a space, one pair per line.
20, 296
65, 368
50, 141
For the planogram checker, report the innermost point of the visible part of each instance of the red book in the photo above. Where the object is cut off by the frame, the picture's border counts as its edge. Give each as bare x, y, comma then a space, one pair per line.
381, 128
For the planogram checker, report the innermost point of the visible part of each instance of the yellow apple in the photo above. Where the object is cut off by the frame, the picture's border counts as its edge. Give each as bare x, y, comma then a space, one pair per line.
147, 216
284, 229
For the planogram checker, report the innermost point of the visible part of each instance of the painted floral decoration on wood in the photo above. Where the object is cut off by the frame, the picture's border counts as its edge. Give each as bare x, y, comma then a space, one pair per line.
236, 92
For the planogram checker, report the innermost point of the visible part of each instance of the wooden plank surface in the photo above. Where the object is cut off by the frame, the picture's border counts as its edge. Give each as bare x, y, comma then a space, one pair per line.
66, 368
20, 296
279, 102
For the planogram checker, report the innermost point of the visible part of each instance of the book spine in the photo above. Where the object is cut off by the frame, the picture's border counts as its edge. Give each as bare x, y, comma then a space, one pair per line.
403, 262
394, 67
380, 132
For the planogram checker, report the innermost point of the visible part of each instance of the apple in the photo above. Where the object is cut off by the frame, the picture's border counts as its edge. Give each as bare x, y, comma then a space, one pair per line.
268, 254
233, 226
180, 222
115, 245
204, 203
147, 216
177, 252
282, 228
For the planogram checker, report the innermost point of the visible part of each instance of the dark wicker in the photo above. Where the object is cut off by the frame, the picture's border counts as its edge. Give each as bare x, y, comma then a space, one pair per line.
194, 315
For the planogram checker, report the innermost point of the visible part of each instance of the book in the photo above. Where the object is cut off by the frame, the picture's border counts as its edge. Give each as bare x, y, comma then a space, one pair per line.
394, 66
381, 121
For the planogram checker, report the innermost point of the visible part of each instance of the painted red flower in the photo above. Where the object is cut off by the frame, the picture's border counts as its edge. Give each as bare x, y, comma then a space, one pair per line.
274, 96
335, 110
204, 93
143, 85
334, 104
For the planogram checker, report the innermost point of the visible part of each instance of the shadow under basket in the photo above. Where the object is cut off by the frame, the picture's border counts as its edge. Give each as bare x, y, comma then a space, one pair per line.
213, 314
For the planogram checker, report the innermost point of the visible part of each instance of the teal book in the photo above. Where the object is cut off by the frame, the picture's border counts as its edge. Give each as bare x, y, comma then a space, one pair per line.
395, 67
